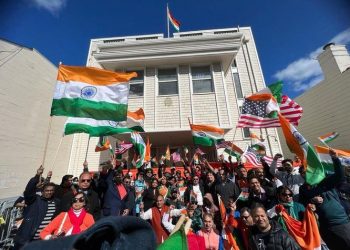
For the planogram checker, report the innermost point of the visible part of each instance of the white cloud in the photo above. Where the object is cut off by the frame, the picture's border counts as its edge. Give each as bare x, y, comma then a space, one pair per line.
306, 72
53, 6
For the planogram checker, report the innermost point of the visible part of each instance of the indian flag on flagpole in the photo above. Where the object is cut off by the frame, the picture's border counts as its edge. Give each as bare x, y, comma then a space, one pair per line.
328, 137
140, 148
134, 122
325, 158
175, 23
91, 93
298, 145
206, 135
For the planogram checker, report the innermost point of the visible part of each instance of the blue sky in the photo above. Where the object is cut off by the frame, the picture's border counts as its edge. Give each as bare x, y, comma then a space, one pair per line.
289, 34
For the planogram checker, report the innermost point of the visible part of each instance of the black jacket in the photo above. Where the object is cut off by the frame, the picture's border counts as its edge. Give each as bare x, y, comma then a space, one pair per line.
93, 204
227, 190
34, 212
149, 197
112, 202
187, 194
275, 239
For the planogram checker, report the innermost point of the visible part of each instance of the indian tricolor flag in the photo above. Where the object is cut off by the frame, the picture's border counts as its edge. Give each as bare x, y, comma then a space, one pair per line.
91, 93
206, 135
326, 159
175, 23
134, 122
328, 137
298, 145
140, 148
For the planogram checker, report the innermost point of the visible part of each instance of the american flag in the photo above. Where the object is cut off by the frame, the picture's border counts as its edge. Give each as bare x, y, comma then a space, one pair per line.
229, 145
254, 114
122, 148
254, 159
223, 144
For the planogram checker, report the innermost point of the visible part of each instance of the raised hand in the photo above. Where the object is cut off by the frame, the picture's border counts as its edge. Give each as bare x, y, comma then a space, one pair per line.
40, 170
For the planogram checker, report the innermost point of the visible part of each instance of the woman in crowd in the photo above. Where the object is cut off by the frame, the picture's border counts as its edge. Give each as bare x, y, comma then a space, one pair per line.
76, 220
285, 198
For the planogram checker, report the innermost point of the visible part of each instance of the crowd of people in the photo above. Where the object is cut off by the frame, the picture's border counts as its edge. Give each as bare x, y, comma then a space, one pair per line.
252, 198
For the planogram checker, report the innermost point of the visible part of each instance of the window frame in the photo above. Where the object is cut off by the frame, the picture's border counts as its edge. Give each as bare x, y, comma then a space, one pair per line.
137, 82
206, 78
242, 129
159, 82
234, 70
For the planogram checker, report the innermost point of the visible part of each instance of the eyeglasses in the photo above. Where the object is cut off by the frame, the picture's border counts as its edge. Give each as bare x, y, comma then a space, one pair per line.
287, 194
76, 200
86, 180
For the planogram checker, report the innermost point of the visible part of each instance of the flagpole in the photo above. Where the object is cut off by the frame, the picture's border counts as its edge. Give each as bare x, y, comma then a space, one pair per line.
167, 17
87, 148
55, 157
47, 141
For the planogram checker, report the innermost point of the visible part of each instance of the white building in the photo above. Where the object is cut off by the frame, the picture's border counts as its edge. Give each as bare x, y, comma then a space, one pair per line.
326, 105
201, 75
27, 81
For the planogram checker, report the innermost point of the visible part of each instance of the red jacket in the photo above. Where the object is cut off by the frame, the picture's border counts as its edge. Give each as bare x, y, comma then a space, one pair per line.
52, 228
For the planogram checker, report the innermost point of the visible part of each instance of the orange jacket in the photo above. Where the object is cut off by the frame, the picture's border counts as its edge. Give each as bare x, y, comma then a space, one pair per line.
55, 224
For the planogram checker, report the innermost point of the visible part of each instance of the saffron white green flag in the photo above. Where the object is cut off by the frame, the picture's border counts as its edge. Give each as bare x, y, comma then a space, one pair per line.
326, 159
140, 147
134, 122
298, 145
91, 93
328, 137
206, 135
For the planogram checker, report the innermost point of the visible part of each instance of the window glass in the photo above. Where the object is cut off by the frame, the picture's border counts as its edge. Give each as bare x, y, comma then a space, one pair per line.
167, 82
136, 83
201, 79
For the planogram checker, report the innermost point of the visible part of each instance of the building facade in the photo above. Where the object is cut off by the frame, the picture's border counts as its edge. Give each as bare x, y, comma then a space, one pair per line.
27, 81
200, 76
326, 105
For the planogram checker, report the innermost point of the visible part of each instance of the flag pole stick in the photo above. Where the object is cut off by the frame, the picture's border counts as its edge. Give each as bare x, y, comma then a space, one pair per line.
55, 157
167, 17
47, 141
325, 144
87, 148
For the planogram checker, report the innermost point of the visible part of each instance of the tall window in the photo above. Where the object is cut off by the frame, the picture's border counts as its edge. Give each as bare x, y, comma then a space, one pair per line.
167, 82
236, 80
202, 80
136, 84
246, 131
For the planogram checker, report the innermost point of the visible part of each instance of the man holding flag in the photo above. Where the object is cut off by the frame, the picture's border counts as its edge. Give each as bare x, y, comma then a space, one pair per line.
334, 222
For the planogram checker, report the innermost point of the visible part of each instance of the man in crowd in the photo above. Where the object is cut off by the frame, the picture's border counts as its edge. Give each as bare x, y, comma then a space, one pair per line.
226, 188
334, 222
117, 198
269, 234
64, 187
287, 177
84, 185
40, 210
155, 215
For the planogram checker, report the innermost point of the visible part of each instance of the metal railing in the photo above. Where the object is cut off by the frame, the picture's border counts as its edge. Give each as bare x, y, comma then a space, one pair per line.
8, 228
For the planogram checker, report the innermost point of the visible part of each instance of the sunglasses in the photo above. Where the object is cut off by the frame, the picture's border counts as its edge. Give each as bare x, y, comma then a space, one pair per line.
287, 194
76, 200
86, 180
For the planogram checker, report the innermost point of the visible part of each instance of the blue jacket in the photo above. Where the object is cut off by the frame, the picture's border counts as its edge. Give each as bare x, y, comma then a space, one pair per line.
112, 203
34, 212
